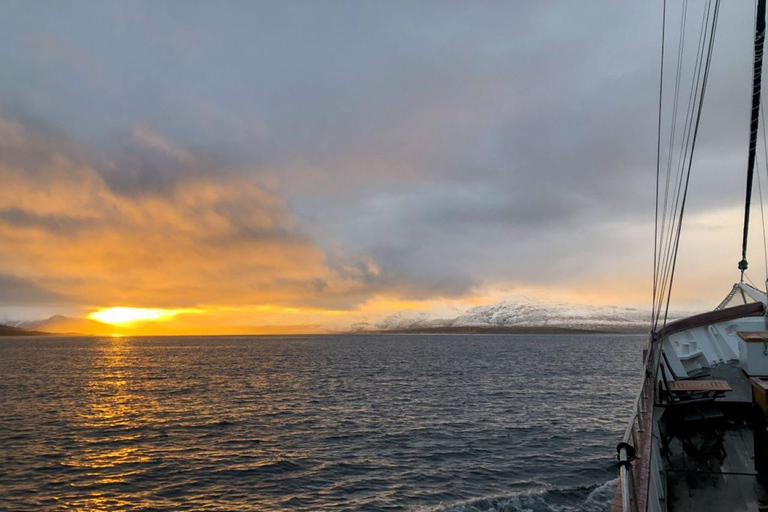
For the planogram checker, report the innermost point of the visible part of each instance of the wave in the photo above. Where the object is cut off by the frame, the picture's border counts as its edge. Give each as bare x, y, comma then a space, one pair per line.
576, 499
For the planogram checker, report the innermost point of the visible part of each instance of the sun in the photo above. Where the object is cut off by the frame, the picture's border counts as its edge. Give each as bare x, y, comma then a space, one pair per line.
122, 315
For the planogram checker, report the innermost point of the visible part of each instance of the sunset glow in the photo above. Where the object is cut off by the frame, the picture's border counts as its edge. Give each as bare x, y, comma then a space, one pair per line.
121, 315
450, 181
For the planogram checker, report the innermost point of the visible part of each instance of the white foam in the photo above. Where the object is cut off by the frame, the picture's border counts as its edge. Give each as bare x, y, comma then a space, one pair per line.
538, 500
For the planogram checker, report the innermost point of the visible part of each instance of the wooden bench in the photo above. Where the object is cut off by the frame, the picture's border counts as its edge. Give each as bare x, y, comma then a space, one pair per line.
688, 402
693, 386
753, 336
683, 390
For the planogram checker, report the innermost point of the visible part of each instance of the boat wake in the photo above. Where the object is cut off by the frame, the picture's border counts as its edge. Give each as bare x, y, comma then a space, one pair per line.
577, 499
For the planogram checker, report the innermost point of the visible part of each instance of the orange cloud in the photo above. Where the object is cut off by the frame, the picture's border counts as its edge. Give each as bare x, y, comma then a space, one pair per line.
203, 240
166, 230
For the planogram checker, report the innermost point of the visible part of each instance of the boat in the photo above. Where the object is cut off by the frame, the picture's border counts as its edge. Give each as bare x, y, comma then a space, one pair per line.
697, 439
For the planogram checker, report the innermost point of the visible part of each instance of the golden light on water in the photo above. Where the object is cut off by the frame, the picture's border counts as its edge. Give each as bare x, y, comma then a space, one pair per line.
116, 403
124, 315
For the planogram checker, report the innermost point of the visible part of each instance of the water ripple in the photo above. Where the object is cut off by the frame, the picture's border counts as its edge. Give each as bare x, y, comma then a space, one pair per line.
357, 423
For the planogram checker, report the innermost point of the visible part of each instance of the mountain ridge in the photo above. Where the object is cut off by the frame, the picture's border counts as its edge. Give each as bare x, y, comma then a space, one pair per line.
521, 315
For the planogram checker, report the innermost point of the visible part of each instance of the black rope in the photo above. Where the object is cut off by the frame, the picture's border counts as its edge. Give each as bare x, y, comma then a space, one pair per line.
757, 74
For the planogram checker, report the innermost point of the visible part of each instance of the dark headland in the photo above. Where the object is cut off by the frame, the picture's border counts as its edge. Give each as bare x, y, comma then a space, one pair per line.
7, 330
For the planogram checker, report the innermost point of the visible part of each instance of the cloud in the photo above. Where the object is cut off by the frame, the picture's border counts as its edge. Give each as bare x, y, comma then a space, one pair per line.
328, 157
16, 291
66, 226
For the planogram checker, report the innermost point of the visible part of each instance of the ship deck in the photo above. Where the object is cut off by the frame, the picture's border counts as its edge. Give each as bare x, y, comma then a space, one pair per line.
735, 376
711, 466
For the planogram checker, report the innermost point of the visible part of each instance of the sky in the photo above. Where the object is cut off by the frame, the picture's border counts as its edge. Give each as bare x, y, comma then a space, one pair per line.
280, 166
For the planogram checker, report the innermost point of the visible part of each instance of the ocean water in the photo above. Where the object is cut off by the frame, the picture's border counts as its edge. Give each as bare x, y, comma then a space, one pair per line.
314, 423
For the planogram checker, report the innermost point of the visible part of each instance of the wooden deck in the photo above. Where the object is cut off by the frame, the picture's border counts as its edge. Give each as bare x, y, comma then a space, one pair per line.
711, 317
702, 481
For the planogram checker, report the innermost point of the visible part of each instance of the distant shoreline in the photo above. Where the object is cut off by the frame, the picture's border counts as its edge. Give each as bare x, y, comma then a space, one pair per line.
9, 331
505, 330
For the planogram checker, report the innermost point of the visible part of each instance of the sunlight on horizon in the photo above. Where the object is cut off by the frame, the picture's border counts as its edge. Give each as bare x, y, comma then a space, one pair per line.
125, 315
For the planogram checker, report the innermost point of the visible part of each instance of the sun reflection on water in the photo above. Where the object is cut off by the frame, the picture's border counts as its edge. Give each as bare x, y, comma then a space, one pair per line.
115, 411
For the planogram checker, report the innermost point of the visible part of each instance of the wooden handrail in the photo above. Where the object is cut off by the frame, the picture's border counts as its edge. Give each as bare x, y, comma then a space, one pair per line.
710, 317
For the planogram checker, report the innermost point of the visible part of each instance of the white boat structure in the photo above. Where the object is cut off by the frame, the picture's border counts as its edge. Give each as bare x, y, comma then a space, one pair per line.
695, 440
698, 437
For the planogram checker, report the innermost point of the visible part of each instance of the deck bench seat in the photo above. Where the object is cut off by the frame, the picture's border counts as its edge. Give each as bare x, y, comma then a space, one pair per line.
699, 386
692, 391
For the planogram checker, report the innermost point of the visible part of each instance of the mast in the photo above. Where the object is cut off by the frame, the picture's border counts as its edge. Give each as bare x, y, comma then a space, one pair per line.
757, 74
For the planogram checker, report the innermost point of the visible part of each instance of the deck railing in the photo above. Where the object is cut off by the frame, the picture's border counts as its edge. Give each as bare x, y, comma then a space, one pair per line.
629, 445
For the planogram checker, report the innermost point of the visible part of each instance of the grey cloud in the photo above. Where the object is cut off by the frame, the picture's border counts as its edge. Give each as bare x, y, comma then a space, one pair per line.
457, 144
58, 224
16, 291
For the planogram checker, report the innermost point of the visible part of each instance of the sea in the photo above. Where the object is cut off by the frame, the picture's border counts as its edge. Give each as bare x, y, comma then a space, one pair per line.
448, 423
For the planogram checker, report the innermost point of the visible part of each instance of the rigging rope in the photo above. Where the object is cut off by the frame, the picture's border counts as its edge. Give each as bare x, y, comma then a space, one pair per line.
690, 158
765, 153
693, 96
757, 73
762, 219
667, 237
658, 157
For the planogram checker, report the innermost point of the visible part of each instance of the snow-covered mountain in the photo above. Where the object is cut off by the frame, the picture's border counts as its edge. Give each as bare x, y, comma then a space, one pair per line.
411, 319
526, 314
